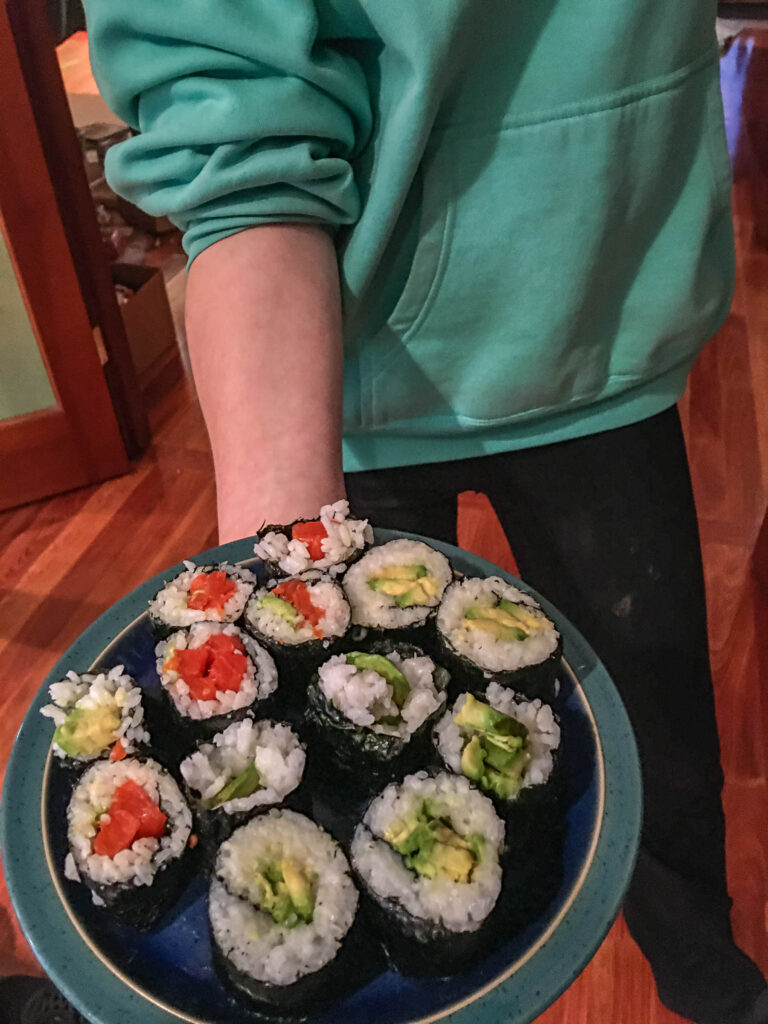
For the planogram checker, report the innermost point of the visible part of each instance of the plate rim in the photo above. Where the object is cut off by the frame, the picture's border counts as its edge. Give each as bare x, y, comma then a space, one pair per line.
612, 830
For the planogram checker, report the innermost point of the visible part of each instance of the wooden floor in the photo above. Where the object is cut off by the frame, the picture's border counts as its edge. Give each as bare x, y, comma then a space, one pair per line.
64, 561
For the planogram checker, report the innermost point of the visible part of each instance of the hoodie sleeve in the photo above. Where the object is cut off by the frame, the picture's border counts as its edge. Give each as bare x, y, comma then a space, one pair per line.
245, 116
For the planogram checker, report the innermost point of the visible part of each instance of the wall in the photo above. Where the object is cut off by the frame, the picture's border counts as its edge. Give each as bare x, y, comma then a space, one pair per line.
24, 384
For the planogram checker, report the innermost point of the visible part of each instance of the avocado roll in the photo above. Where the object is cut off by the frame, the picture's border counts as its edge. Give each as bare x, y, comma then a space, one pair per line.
397, 586
96, 716
247, 767
300, 620
488, 628
281, 905
504, 744
204, 593
371, 706
128, 827
213, 674
329, 543
428, 853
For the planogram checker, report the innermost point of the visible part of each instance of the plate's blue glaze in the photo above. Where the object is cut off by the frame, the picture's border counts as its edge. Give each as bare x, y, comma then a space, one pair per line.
173, 966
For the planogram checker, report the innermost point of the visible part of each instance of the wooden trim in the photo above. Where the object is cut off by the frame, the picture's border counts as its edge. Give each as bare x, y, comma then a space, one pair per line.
38, 457
36, 47
36, 237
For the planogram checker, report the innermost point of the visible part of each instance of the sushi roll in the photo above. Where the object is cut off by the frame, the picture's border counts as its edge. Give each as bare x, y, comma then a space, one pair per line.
329, 543
213, 674
96, 715
371, 707
128, 828
247, 767
502, 743
488, 628
428, 853
300, 620
281, 904
204, 593
397, 586
508, 747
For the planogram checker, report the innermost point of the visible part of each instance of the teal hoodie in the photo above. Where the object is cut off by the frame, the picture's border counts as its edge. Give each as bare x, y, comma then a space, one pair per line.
530, 197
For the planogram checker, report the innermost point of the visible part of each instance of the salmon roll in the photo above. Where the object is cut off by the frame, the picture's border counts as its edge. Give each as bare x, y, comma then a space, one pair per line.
205, 593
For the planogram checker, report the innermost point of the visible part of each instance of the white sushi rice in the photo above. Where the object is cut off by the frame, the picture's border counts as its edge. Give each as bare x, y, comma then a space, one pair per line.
113, 689
259, 679
344, 538
487, 651
324, 593
91, 800
364, 696
274, 749
248, 936
378, 610
538, 718
170, 604
457, 906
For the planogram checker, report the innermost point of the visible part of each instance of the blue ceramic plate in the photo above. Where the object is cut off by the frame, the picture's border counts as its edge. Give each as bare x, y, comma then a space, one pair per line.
115, 975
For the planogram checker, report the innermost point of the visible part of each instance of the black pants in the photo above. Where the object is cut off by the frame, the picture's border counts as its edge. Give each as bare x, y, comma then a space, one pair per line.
605, 527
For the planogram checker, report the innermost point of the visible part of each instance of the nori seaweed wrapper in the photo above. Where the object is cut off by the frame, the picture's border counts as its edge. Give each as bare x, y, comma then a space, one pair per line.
273, 569
181, 732
358, 962
354, 747
163, 630
297, 662
532, 871
214, 826
192, 730
420, 948
142, 906
531, 681
420, 634
531, 802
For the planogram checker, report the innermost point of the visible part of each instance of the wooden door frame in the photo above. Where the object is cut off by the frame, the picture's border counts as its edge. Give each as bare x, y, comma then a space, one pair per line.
37, 53
77, 441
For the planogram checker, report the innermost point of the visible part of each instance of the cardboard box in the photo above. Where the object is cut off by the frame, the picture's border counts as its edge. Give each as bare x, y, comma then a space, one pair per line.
146, 315
138, 219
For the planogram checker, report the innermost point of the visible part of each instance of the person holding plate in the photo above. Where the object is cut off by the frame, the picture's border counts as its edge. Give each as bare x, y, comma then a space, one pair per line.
447, 245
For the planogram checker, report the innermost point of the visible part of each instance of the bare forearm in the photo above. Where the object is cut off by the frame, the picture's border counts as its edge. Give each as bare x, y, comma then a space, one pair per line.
264, 333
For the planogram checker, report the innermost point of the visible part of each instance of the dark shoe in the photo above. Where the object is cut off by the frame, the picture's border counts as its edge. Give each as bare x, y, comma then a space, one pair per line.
684, 932
759, 1014
26, 1000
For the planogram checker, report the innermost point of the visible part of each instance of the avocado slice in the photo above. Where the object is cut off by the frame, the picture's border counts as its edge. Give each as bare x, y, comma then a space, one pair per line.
501, 757
274, 898
87, 731
392, 588
397, 572
490, 624
280, 607
420, 593
492, 613
522, 614
299, 889
504, 786
474, 714
453, 861
378, 663
408, 584
472, 759
278, 885
412, 837
244, 784
431, 847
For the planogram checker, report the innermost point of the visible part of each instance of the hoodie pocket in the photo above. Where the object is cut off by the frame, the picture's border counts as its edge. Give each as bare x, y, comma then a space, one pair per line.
561, 260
